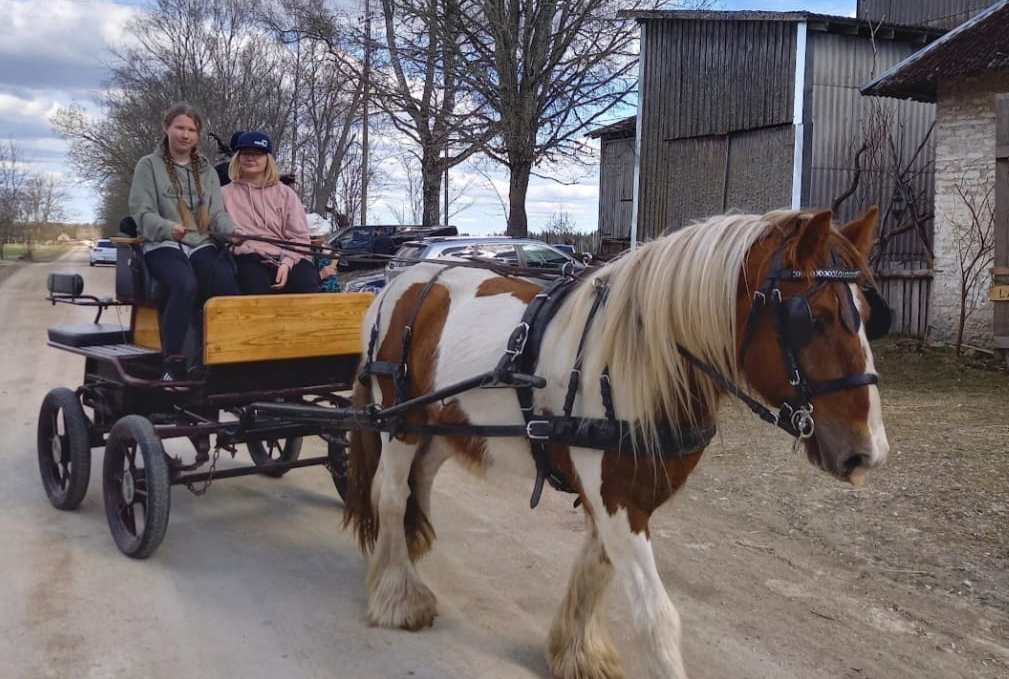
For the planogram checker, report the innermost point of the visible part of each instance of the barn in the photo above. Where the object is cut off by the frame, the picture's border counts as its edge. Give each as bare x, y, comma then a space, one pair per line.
753, 111
966, 74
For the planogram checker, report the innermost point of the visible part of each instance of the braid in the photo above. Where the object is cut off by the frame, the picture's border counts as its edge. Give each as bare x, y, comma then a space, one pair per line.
202, 213
184, 214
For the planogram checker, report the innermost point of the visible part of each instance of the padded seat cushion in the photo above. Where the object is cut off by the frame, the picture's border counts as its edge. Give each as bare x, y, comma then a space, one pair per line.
89, 334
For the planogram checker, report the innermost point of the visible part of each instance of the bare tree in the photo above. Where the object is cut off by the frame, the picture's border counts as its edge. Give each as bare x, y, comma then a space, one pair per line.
410, 207
544, 71
210, 54
328, 113
974, 240
12, 182
890, 170
417, 84
43, 201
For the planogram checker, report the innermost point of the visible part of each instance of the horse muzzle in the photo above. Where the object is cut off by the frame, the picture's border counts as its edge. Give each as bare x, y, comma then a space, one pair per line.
844, 453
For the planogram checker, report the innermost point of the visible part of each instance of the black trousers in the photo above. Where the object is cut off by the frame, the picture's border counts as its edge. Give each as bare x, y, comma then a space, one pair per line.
255, 277
190, 281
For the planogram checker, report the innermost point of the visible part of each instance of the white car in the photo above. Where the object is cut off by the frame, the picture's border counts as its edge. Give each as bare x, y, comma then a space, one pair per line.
524, 252
103, 252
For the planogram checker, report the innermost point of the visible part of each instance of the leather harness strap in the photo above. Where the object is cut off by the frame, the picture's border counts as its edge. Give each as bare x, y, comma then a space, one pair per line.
516, 370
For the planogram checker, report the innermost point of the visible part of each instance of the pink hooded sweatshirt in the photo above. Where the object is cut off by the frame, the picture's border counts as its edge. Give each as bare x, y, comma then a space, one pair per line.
271, 211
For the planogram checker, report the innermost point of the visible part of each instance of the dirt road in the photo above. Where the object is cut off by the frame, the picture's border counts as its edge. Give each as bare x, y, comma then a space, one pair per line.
778, 571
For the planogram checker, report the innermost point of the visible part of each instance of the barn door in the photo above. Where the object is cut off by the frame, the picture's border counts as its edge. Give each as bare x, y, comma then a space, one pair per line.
1000, 272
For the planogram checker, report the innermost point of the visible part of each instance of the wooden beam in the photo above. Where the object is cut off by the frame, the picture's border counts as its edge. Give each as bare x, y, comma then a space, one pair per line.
1000, 310
146, 330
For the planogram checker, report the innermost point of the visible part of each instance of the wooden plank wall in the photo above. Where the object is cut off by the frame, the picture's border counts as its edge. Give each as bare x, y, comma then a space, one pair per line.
704, 79
907, 291
748, 171
616, 187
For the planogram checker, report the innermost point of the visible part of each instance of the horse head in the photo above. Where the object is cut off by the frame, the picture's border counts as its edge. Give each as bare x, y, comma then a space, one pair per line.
801, 337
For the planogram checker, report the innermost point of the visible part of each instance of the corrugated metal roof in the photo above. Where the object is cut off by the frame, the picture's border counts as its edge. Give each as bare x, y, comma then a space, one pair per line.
976, 46
621, 128
823, 22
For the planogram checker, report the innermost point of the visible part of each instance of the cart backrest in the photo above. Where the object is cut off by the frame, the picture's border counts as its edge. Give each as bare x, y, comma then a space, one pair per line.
270, 327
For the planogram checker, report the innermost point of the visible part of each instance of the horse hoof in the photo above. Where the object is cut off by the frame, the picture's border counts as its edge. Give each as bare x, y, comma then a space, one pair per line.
401, 599
577, 662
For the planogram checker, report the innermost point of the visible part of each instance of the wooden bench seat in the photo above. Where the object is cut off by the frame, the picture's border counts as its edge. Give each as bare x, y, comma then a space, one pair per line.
271, 327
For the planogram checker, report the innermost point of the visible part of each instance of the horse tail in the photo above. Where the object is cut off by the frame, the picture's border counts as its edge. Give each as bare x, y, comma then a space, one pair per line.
362, 463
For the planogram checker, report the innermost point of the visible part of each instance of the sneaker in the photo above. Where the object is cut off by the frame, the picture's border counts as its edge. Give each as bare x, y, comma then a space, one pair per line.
174, 371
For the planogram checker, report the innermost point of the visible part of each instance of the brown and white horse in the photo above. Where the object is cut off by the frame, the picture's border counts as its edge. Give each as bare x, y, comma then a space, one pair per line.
693, 290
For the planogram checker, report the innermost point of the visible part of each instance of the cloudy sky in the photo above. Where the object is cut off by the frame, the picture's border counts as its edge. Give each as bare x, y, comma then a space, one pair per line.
52, 54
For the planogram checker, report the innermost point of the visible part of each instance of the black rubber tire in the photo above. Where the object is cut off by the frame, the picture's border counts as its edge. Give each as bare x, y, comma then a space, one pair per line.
64, 452
132, 482
275, 450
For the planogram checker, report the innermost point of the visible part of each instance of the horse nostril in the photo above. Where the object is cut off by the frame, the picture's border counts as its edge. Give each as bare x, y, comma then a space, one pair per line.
856, 461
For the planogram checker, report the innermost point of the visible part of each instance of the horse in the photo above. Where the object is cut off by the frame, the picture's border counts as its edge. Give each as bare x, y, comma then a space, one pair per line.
736, 304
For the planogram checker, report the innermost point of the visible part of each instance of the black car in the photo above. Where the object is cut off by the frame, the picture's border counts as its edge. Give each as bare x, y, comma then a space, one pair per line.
379, 239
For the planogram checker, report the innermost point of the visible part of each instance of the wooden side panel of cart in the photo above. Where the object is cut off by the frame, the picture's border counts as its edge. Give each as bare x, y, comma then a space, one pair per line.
251, 328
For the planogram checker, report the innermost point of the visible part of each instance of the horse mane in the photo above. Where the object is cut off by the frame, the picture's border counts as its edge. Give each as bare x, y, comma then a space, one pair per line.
676, 291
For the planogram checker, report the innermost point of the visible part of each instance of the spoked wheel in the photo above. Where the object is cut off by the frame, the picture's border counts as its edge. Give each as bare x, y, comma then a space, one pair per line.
64, 449
136, 487
270, 451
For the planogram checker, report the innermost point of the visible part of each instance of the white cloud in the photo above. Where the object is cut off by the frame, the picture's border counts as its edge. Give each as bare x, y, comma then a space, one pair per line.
31, 112
60, 30
52, 53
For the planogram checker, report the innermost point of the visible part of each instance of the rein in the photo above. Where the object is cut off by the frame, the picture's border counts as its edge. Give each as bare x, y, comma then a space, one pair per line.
506, 270
794, 327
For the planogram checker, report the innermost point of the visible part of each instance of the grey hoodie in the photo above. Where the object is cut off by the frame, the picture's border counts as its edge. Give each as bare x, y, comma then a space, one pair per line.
153, 201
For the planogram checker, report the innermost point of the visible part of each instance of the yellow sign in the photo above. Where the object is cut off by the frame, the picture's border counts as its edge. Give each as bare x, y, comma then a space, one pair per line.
999, 293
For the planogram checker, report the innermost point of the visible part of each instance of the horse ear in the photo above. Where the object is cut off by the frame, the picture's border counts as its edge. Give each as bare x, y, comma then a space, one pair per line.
861, 230
813, 235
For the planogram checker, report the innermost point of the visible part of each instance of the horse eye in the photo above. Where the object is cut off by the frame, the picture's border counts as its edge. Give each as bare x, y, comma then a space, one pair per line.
820, 323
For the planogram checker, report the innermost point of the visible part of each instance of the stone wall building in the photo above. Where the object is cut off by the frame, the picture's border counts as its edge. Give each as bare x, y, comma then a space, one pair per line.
966, 73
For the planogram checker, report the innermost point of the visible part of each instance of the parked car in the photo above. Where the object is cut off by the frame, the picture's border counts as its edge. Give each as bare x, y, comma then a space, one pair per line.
103, 252
379, 239
368, 282
524, 252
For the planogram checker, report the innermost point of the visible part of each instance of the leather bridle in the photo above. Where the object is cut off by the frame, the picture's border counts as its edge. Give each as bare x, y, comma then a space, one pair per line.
795, 326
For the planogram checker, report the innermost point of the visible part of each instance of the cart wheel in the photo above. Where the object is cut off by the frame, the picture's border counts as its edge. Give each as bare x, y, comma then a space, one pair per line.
64, 449
275, 450
337, 450
136, 487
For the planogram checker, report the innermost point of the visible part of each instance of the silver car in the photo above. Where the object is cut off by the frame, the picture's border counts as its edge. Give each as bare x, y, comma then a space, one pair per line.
103, 252
524, 252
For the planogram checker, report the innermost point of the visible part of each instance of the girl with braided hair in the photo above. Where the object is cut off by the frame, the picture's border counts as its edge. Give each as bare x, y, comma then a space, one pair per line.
175, 199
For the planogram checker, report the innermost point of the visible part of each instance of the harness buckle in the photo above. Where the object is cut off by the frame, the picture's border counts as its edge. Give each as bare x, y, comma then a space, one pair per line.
538, 430
802, 421
517, 341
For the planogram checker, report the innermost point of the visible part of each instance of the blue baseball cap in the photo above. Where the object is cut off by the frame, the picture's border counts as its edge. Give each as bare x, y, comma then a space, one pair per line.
254, 140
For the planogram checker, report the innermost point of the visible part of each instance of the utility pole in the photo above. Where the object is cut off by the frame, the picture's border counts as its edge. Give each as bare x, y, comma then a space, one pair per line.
364, 117
445, 181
